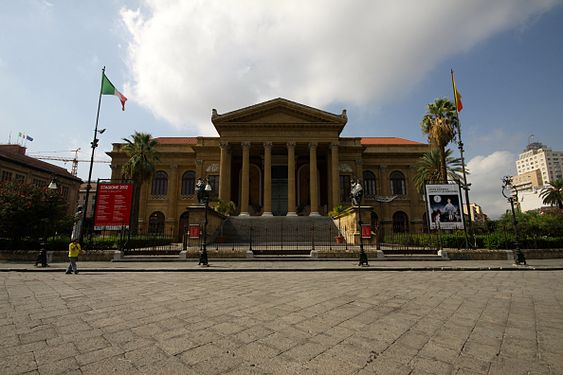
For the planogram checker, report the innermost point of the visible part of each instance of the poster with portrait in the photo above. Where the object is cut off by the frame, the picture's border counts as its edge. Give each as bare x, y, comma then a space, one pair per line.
444, 206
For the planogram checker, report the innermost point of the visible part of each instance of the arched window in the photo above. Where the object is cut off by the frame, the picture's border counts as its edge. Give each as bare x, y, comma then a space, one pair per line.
160, 183
188, 183
400, 222
398, 183
370, 186
156, 223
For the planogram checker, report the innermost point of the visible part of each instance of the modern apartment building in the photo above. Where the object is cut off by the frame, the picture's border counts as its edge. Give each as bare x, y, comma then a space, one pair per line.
538, 156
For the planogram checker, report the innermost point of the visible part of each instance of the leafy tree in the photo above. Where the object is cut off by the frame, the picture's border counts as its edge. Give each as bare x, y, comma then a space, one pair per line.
533, 224
142, 154
30, 211
553, 194
428, 168
224, 207
439, 124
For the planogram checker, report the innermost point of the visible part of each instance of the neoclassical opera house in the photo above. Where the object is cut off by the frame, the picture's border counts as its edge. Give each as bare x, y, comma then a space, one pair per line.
262, 162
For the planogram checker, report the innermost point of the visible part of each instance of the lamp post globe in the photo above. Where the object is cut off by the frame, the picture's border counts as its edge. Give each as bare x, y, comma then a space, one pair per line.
511, 194
205, 194
357, 192
42, 257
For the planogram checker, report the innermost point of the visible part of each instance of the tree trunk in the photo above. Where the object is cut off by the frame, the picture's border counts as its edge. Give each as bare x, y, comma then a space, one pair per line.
443, 168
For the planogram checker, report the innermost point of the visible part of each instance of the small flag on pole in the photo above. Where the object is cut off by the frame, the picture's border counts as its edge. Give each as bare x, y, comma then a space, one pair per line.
457, 95
109, 89
29, 138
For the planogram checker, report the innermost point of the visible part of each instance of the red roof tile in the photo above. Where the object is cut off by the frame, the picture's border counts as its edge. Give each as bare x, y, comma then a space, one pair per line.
388, 141
177, 140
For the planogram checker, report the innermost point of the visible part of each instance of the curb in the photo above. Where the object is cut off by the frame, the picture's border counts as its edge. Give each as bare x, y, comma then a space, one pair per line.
328, 269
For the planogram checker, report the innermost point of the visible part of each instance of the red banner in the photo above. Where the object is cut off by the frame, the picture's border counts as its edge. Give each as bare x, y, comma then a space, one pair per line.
194, 231
113, 206
366, 231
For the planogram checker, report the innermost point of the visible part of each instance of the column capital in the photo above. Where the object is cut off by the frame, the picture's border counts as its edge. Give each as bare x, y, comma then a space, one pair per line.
359, 162
313, 145
267, 145
291, 144
334, 145
199, 162
224, 144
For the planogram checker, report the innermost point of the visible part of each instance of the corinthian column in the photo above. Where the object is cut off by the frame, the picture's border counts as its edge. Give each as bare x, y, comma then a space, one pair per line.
313, 179
291, 179
267, 179
245, 179
223, 171
335, 178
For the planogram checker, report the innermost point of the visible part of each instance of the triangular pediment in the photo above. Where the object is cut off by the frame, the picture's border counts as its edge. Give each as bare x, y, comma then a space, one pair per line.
278, 111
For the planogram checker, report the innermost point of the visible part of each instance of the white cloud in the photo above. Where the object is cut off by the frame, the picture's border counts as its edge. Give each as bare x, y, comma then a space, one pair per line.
486, 180
187, 57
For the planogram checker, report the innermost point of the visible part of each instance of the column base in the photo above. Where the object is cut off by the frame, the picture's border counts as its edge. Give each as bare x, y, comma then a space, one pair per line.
314, 213
243, 214
291, 214
267, 214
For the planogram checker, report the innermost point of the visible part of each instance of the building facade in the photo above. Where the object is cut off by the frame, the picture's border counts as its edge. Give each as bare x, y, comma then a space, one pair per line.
538, 156
15, 165
91, 198
262, 161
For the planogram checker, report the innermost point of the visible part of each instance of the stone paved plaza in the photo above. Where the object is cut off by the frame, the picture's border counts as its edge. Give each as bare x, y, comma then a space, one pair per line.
476, 322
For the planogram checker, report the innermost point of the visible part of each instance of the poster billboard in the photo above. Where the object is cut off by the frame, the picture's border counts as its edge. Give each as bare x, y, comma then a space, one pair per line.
444, 206
113, 205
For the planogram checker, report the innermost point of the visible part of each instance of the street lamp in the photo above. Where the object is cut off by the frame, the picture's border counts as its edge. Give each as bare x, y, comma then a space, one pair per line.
509, 192
42, 258
357, 192
205, 192
94, 144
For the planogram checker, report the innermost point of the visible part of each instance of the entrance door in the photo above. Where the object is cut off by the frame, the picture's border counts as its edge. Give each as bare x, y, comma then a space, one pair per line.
279, 190
182, 226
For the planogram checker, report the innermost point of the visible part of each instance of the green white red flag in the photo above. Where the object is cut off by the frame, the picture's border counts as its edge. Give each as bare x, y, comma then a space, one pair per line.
109, 89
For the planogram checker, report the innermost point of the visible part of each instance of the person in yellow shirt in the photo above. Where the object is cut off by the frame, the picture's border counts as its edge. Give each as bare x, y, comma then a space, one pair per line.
73, 251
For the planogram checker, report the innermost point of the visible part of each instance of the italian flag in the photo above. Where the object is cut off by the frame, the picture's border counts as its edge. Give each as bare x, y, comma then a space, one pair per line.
109, 89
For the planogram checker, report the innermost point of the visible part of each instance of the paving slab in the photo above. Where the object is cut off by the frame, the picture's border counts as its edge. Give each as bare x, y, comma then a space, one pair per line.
298, 322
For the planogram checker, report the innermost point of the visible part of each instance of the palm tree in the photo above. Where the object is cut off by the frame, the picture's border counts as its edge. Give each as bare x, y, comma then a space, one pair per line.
428, 169
439, 124
142, 154
553, 194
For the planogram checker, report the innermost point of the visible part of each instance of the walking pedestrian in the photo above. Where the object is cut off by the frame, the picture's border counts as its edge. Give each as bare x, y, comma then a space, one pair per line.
73, 252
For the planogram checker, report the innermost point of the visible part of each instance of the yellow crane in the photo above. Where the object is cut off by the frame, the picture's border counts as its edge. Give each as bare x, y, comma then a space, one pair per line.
75, 160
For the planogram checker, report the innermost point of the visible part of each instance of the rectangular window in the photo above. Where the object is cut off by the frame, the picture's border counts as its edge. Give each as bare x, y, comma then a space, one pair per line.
20, 178
39, 182
6, 176
345, 181
214, 182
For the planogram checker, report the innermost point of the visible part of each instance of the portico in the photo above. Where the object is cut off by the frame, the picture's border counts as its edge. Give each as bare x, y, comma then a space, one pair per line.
282, 139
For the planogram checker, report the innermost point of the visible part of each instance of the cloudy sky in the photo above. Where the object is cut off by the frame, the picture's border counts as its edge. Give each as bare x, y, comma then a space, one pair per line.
381, 60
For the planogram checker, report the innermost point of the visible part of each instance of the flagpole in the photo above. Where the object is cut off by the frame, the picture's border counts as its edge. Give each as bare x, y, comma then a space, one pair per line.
94, 144
460, 146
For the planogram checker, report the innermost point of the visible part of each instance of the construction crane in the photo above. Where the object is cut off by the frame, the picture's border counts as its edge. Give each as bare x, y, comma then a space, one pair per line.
75, 160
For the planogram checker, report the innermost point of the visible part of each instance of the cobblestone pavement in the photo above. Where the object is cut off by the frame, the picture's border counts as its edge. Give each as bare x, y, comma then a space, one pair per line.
313, 323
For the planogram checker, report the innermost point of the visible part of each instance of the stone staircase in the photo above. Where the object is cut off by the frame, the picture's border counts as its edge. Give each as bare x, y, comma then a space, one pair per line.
279, 235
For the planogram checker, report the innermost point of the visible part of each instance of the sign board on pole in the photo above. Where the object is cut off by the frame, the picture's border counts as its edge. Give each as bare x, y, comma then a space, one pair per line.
444, 206
366, 231
113, 206
194, 231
